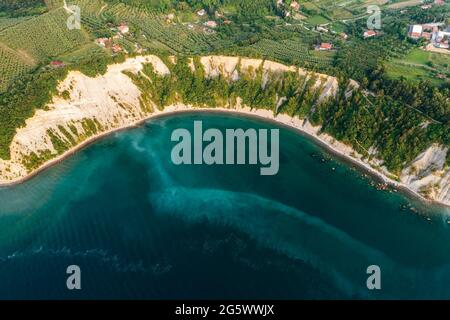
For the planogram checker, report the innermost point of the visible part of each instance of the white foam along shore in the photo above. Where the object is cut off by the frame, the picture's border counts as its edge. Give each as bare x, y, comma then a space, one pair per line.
34, 134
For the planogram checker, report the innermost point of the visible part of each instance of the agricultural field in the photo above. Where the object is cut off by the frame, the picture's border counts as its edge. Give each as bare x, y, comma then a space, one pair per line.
6, 22
53, 4
404, 4
87, 50
153, 31
420, 65
340, 10
293, 52
43, 37
11, 66
28, 42
317, 19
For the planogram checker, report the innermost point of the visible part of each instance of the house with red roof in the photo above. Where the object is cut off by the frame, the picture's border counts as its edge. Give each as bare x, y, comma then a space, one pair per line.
369, 33
57, 64
325, 46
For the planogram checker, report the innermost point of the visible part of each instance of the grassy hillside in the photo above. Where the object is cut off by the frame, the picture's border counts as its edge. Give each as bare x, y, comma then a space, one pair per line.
420, 65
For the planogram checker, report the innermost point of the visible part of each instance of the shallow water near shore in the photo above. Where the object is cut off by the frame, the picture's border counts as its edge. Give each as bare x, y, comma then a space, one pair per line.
140, 227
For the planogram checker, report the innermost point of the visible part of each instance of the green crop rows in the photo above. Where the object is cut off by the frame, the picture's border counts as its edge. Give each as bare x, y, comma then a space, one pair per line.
43, 37
11, 66
290, 51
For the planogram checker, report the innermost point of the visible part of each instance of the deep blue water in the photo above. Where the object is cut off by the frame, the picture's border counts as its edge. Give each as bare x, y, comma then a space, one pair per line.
140, 227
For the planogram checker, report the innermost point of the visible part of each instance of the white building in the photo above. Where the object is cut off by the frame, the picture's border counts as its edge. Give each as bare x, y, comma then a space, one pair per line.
201, 13
415, 31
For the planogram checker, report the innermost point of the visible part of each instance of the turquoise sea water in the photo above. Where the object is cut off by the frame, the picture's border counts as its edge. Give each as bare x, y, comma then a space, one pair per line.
140, 227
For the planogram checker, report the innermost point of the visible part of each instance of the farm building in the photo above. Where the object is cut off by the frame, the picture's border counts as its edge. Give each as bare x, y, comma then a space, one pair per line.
295, 5
426, 35
211, 24
103, 42
116, 48
123, 28
324, 46
57, 64
369, 33
415, 31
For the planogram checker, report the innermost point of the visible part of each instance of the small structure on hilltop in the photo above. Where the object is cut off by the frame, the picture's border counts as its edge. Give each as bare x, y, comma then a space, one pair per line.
103, 42
201, 13
116, 48
211, 24
369, 34
169, 18
57, 64
295, 5
415, 31
123, 28
324, 46
321, 28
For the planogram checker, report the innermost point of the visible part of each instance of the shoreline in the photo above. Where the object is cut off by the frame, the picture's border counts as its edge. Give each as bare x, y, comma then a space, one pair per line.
264, 115
349, 160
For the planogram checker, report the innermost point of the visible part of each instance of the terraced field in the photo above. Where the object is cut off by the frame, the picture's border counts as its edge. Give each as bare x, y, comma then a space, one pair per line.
6, 22
158, 33
11, 66
28, 42
292, 51
44, 37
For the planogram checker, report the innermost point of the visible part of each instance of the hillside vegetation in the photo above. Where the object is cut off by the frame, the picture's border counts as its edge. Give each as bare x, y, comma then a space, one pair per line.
397, 116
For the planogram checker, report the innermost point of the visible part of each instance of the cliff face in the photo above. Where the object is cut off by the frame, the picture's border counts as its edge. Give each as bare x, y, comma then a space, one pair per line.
87, 107
428, 175
230, 66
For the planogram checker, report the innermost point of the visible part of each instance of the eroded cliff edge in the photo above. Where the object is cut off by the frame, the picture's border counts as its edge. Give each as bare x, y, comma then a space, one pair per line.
89, 107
